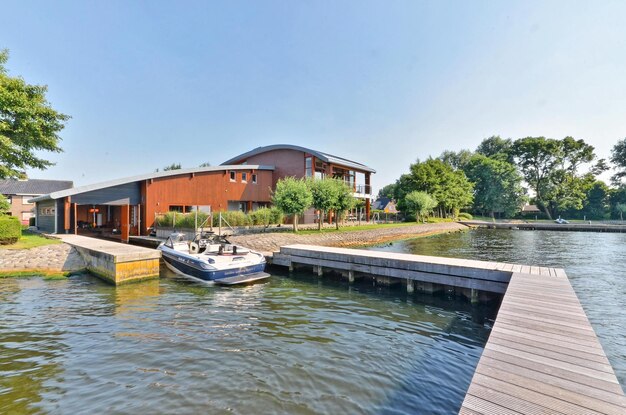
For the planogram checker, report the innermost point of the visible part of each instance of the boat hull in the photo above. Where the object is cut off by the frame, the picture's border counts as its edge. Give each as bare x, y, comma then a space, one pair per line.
185, 266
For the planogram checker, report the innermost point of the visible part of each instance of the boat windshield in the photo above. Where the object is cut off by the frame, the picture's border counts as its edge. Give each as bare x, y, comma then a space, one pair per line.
175, 238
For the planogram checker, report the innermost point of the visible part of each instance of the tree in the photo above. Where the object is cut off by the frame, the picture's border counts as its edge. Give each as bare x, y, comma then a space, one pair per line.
621, 208
173, 166
456, 160
205, 164
596, 204
387, 191
551, 169
324, 193
618, 157
27, 124
292, 196
498, 148
497, 186
421, 203
344, 199
5, 206
451, 188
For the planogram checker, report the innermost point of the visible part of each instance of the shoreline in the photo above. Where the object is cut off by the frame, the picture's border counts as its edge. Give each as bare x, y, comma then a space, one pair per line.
267, 243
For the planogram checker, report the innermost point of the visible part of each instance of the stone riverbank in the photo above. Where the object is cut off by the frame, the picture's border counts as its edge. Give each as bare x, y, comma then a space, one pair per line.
272, 241
48, 258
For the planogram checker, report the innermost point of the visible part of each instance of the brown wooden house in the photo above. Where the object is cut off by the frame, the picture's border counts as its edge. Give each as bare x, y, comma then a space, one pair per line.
296, 161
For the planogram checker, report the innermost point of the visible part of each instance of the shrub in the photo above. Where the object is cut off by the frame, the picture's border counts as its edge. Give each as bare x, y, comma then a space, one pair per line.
465, 215
276, 216
10, 230
233, 218
261, 216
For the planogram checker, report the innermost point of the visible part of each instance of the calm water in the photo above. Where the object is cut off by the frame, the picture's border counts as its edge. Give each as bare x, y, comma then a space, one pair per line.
594, 262
292, 345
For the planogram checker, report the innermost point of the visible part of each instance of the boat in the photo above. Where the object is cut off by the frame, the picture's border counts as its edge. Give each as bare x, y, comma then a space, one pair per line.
211, 258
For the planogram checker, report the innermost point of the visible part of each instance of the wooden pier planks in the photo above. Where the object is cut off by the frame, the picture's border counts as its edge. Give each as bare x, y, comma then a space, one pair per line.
543, 355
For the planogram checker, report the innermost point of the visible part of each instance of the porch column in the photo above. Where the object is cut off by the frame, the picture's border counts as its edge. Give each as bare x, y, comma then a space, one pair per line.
367, 209
67, 205
125, 222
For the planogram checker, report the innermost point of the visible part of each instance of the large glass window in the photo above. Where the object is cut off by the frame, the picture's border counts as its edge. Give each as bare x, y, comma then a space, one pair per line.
308, 167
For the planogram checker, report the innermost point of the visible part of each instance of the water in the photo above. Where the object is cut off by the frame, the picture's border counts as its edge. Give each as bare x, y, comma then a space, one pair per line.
296, 345
594, 262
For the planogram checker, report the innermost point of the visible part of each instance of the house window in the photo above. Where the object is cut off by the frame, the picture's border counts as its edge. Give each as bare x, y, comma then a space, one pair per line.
10, 199
176, 208
308, 166
233, 176
254, 178
244, 177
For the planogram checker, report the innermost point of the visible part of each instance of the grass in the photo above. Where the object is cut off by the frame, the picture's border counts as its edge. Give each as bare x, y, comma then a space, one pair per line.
30, 240
46, 275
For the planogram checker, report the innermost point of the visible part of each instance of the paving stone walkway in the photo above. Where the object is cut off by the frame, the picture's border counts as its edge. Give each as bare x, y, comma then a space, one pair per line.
272, 241
60, 257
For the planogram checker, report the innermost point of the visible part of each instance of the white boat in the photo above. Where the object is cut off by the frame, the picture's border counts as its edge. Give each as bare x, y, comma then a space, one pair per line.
212, 258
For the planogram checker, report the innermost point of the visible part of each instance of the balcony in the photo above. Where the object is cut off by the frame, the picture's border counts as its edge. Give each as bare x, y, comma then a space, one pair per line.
362, 190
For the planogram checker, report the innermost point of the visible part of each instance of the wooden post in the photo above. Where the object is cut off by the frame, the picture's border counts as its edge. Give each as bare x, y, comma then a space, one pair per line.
474, 296
67, 206
367, 209
125, 225
75, 219
409, 286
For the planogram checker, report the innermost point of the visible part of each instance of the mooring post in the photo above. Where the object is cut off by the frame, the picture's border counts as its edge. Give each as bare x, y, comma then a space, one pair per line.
350, 276
319, 270
290, 266
409, 286
474, 296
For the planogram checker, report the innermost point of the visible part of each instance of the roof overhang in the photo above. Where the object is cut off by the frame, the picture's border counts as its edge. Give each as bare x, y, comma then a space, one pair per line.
170, 173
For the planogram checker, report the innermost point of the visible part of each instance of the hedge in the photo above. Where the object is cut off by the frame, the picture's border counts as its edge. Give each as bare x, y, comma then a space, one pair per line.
262, 216
10, 230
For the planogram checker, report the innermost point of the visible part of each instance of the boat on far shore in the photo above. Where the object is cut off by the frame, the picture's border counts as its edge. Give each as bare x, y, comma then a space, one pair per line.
211, 258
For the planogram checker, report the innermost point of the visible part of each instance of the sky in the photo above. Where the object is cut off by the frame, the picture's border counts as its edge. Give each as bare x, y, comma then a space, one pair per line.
384, 83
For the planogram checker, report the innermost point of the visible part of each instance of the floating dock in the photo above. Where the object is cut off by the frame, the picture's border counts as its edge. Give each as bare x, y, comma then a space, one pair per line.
542, 356
115, 262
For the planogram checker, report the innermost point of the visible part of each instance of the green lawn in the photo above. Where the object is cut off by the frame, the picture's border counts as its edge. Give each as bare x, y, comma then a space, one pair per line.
30, 240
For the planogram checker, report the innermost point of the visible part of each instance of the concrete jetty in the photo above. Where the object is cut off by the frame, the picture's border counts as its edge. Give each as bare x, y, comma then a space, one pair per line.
115, 262
542, 355
544, 226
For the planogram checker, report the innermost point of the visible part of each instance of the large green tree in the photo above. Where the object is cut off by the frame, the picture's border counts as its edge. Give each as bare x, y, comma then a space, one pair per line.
450, 187
618, 157
497, 186
496, 147
28, 124
292, 196
551, 169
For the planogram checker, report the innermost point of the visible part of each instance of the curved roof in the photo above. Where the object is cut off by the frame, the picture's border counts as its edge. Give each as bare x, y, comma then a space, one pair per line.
156, 175
328, 158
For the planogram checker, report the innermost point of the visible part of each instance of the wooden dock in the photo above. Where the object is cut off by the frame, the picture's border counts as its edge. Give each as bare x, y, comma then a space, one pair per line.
544, 226
115, 262
542, 356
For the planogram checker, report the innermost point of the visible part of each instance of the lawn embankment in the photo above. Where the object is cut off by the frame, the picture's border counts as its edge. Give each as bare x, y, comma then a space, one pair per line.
31, 240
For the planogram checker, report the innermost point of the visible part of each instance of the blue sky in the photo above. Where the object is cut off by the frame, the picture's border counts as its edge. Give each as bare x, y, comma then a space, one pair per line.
382, 82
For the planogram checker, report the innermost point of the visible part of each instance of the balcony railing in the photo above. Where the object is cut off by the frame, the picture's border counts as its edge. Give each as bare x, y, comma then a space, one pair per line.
363, 189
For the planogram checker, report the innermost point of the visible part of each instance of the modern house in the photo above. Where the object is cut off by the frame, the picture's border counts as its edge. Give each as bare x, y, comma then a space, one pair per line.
19, 192
299, 162
129, 206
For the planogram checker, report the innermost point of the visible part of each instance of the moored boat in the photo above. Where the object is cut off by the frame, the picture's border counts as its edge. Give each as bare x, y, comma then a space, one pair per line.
212, 258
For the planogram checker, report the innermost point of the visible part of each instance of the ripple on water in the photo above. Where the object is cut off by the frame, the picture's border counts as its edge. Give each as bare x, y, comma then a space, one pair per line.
293, 345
